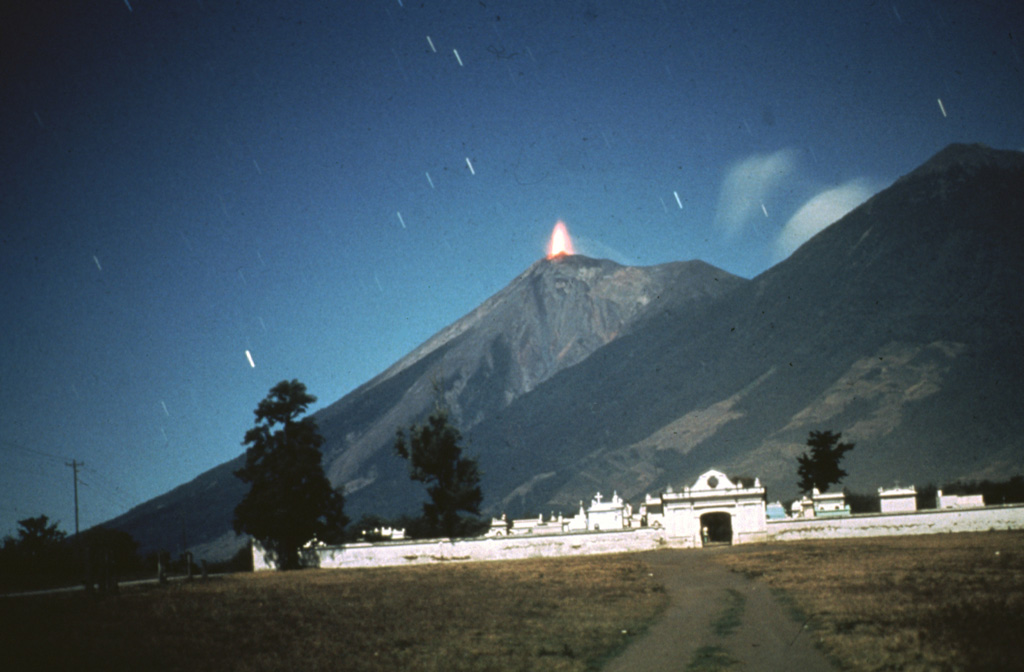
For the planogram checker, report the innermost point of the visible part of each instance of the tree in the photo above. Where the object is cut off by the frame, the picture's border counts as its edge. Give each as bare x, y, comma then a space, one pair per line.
38, 535
38, 556
821, 469
290, 501
453, 481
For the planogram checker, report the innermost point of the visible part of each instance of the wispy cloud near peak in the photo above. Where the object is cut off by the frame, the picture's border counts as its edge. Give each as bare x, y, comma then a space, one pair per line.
821, 210
747, 185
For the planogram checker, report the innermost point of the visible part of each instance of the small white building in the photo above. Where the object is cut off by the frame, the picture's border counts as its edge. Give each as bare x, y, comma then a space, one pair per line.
577, 523
829, 504
716, 509
499, 527
776, 511
802, 508
898, 500
652, 512
521, 526
610, 515
958, 501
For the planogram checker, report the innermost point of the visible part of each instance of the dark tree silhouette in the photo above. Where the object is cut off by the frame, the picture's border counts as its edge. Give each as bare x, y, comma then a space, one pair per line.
820, 468
453, 481
39, 556
37, 535
290, 501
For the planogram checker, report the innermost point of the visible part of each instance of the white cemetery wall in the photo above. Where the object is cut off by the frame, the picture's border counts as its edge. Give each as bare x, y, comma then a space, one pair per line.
479, 549
1009, 517
749, 523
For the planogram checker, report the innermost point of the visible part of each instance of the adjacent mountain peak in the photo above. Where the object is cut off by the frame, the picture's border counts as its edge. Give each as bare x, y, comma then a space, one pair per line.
966, 159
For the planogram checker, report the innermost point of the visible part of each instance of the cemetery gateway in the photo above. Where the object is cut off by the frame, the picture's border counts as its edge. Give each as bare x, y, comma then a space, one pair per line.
714, 510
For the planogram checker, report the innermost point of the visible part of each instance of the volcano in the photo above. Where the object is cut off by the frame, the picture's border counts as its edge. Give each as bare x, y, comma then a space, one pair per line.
899, 325
551, 317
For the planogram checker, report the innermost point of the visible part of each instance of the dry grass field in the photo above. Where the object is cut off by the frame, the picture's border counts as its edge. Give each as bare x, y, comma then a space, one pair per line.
936, 602
564, 614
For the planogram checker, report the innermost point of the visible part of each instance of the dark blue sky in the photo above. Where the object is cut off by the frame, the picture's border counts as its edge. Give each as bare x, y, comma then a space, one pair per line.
326, 184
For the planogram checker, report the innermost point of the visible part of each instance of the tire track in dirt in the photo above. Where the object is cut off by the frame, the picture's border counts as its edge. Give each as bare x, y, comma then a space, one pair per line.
693, 633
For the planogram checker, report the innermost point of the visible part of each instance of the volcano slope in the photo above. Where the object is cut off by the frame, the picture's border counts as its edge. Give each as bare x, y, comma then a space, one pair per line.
899, 325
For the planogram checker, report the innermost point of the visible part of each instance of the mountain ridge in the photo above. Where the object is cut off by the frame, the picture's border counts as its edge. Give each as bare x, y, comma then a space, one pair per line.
784, 339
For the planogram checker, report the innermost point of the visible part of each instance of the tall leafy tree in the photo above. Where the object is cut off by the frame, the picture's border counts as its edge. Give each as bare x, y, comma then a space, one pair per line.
453, 480
820, 467
290, 500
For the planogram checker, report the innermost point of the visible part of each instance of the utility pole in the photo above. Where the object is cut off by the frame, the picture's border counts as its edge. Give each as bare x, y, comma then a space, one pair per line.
74, 467
82, 557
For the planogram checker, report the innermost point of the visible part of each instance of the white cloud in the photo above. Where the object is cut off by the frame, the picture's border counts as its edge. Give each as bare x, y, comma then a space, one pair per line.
747, 186
820, 211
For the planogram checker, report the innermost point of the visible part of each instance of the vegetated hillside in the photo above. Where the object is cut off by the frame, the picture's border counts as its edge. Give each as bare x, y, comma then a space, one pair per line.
900, 326
554, 315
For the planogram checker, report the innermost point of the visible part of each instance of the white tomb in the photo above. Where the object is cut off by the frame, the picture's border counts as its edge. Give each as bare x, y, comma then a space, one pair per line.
898, 500
802, 508
829, 504
610, 515
958, 501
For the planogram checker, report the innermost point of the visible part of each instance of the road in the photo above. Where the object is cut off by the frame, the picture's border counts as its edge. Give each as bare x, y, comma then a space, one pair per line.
765, 639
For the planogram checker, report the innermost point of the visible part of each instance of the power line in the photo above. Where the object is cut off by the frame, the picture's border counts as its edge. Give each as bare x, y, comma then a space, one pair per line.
17, 446
123, 498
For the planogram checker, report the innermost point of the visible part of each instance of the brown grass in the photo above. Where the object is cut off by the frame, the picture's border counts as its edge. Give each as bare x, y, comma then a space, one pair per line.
936, 602
565, 614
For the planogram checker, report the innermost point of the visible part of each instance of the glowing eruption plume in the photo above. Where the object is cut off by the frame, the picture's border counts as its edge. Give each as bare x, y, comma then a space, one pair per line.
561, 243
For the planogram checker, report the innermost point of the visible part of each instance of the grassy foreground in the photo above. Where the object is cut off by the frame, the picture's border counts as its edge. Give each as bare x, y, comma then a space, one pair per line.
935, 602
564, 614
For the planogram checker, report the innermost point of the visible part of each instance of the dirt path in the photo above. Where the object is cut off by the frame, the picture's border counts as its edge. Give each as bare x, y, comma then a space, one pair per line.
696, 631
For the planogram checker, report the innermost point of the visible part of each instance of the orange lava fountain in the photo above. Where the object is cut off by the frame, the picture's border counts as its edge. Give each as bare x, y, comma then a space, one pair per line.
560, 243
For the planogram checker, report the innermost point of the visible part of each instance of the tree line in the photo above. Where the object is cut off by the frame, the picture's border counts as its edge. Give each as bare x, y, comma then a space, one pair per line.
41, 555
290, 501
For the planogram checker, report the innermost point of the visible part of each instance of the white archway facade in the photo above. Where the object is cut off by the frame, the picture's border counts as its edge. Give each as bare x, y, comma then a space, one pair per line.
714, 492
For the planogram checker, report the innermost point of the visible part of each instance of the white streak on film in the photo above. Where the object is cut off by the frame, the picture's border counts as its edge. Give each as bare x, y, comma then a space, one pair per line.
98, 261
457, 57
470, 164
764, 210
400, 220
678, 202
248, 355
429, 180
431, 43
942, 107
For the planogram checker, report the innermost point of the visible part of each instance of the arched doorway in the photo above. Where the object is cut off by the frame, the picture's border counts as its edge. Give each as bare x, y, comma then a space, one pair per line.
716, 528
